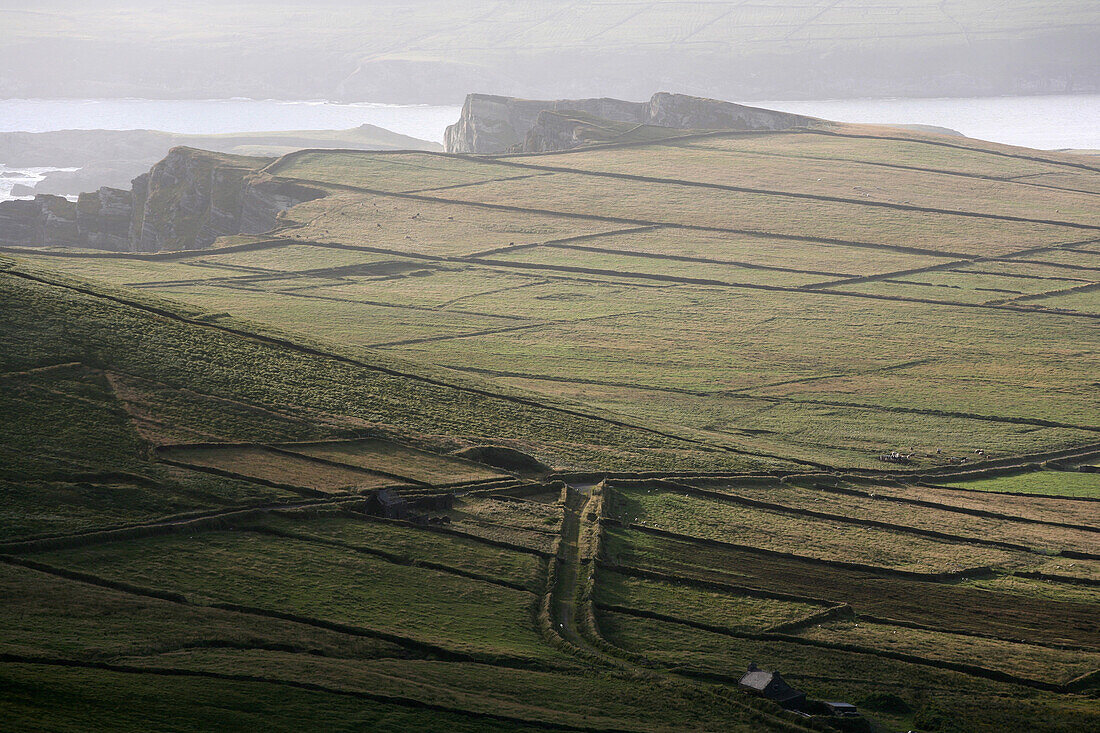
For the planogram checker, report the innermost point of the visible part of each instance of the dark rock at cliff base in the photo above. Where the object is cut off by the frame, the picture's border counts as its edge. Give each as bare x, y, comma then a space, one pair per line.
186, 201
492, 124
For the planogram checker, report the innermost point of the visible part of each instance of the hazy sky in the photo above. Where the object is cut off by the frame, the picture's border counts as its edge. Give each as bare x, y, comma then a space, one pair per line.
435, 51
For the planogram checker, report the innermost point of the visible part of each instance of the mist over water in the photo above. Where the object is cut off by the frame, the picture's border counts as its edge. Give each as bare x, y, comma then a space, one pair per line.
1045, 122
213, 116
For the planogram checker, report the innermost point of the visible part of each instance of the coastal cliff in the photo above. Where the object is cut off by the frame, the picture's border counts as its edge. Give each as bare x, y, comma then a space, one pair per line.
186, 201
492, 124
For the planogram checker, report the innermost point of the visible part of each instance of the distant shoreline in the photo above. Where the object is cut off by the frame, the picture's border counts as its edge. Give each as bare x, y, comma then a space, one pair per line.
1052, 121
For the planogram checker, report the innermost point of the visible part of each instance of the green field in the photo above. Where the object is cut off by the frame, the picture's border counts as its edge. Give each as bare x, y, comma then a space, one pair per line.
192, 440
1057, 483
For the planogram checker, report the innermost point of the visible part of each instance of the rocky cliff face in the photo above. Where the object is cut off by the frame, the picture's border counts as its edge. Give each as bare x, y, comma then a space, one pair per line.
186, 201
491, 124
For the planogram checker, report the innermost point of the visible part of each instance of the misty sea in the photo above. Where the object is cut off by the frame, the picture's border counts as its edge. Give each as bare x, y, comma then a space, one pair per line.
1045, 122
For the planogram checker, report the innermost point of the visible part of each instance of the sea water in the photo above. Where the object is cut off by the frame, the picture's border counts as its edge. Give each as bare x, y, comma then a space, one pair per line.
1046, 122
214, 116
30, 177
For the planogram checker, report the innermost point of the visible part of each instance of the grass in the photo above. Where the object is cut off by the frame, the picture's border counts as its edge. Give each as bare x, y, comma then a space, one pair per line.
975, 158
286, 258
783, 532
626, 263
1042, 537
428, 325
1019, 504
416, 545
48, 325
972, 704
51, 616
1061, 616
824, 377
81, 699
1042, 664
697, 161
1083, 302
267, 465
391, 172
1055, 483
529, 524
398, 459
765, 251
739, 613
685, 205
329, 583
434, 228
73, 460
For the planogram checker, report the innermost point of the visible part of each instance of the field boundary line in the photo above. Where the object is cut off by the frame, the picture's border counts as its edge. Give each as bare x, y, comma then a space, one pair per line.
308, 686
449, 531
953, 507
787, 194
894, 166
730, 588
804, 289
353, 630
627, 220
685, 258
270, 340
874, 523
388, 556
882, 620
967, 669
974, 572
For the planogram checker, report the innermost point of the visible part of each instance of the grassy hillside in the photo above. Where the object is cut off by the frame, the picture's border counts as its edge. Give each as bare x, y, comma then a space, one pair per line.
727, 330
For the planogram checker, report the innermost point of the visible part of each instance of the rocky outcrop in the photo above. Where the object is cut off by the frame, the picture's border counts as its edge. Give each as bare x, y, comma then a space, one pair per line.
103, 219
44, 222
186, 201
492, 124
565, 130
697, 113
189, 199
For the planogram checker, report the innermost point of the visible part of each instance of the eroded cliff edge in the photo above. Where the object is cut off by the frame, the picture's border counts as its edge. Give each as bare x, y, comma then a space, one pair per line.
186, 201
492, 124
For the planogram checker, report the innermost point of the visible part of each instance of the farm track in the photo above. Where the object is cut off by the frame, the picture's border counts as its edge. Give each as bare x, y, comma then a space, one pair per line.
566, 602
